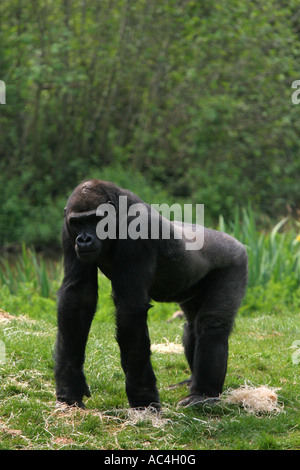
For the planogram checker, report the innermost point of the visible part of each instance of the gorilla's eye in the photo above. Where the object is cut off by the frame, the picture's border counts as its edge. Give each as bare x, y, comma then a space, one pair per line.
75, 223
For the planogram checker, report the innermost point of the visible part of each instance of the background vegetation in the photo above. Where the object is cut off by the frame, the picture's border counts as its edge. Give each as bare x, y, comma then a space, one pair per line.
178, 100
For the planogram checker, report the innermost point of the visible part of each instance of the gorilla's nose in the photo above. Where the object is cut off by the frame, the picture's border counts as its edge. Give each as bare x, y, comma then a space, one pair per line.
84, 241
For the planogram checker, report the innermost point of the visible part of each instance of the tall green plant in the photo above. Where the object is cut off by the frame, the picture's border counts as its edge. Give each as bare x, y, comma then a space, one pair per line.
29, 267
273, 255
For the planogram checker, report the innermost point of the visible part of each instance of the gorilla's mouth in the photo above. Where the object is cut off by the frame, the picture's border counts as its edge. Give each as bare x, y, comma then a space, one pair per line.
87, 255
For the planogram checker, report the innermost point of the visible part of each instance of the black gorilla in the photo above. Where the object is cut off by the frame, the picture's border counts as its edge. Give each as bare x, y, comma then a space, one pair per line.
208, 283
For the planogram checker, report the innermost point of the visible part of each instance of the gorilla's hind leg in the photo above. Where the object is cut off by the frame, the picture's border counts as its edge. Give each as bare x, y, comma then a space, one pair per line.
210, 317
209, 366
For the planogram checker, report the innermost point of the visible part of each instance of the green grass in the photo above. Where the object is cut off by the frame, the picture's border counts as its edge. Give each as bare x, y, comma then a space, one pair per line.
261, 353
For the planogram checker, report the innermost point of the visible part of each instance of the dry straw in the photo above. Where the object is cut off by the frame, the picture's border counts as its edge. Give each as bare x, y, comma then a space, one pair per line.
260, 399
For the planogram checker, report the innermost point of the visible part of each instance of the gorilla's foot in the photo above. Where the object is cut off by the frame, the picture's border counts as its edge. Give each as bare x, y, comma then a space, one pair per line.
186, 382
64, 405
197, 400
154, 406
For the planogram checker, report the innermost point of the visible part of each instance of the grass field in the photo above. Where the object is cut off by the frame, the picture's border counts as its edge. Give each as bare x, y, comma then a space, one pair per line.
264, 350
260, 353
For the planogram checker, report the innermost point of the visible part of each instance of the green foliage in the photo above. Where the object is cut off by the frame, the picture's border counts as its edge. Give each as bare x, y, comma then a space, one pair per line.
192, 98
273, 255
30, 268
273, 285
273, 263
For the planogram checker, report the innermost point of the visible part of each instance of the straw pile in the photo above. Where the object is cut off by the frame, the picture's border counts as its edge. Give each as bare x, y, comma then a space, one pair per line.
255, 399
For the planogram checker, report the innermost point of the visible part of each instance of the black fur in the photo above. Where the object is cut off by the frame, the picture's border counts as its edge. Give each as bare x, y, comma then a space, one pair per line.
209, 285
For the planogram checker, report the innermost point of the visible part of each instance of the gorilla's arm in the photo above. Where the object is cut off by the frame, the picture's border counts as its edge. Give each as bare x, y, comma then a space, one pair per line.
77, 301
130, 285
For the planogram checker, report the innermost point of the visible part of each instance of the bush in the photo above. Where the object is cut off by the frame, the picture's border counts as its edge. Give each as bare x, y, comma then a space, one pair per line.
192, 99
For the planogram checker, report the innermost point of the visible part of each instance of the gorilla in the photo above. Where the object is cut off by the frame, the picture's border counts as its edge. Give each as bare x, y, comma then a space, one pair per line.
208, 283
